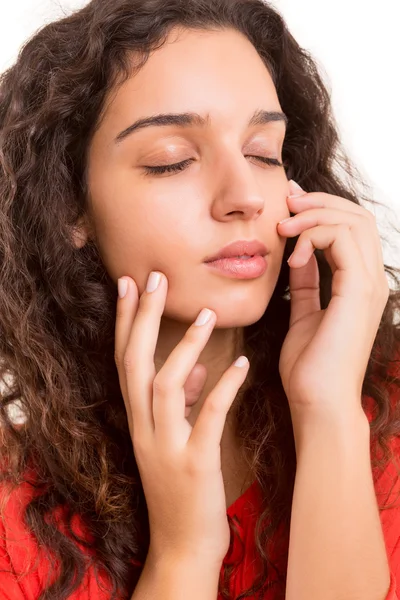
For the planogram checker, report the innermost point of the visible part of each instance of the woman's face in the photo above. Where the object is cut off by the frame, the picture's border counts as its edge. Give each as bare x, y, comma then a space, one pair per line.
172, 222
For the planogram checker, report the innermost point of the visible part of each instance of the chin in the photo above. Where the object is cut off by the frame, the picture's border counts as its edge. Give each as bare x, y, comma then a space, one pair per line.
239, 318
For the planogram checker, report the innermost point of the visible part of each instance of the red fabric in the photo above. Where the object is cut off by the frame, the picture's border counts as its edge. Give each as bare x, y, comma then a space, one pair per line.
19, 550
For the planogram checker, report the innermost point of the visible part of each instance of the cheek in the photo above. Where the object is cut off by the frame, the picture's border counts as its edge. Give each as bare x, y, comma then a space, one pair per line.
134, 238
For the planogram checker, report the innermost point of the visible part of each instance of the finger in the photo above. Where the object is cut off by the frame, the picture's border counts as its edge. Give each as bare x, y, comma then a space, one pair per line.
195, 384
325, 200
362, 229
168, 385
207, 431
350, 279
125, 314
139, 356
304, 286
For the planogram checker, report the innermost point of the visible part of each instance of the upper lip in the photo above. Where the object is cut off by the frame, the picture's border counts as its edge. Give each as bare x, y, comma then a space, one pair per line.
239, 248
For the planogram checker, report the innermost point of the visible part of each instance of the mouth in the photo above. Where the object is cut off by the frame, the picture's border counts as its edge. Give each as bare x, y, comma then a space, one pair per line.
240, 267
241, 249
244, 257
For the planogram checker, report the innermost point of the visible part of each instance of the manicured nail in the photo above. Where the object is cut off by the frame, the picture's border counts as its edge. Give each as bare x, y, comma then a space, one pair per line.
241, 361
203, 316
122, 287
284, 220
153, 281
295, 189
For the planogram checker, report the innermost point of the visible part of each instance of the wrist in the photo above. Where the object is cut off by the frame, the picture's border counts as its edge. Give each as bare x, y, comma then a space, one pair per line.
345, 426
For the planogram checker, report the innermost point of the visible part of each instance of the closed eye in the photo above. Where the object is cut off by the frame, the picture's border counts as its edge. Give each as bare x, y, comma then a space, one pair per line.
159, 170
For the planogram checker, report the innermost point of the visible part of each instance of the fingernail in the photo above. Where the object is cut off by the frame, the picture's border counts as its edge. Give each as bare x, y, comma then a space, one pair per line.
203, 316
153, 281
241, 361
122, 287
295, 189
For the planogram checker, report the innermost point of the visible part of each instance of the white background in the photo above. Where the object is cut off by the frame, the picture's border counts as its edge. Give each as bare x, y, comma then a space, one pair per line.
357, 48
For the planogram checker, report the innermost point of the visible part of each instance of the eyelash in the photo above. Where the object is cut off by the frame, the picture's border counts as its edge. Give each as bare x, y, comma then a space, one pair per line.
180, 166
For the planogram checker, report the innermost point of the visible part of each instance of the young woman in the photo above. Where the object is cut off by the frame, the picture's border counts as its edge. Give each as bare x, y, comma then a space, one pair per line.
139, 139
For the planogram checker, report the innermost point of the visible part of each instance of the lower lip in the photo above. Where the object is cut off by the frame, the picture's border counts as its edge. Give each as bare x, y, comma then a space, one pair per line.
240, 268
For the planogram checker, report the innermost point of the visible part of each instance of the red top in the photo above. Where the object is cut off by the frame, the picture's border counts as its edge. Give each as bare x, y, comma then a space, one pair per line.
18, 547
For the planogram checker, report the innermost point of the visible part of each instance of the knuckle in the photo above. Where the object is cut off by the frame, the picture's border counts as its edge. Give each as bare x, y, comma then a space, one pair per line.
119, 312
129, 361
214, 406
161, 387
344, 228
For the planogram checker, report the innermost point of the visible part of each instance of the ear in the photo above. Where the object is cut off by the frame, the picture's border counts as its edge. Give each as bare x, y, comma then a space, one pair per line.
80, 232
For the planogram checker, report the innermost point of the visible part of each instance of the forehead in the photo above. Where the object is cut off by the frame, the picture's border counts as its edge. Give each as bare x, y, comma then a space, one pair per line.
215, 72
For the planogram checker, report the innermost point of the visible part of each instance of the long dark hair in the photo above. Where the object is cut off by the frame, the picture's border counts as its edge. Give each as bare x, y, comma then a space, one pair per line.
57, 302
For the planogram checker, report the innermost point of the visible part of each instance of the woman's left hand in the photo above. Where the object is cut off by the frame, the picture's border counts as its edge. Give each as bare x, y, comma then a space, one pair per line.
325, 354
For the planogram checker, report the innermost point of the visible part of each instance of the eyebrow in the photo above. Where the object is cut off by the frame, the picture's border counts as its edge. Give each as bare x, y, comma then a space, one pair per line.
190, 119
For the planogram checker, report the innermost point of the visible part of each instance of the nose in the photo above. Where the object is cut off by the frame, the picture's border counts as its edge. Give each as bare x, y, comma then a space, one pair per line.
237, 193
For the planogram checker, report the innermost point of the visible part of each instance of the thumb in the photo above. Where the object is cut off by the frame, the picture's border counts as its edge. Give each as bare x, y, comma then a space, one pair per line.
194, 384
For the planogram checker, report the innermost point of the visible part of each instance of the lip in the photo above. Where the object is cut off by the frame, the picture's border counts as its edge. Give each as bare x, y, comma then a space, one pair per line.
240, 268
239, 248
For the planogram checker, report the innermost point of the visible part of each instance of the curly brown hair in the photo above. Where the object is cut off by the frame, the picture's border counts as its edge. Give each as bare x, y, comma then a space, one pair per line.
57, 333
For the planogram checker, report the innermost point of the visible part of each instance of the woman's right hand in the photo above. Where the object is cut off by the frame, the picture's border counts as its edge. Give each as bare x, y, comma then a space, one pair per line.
179, 465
